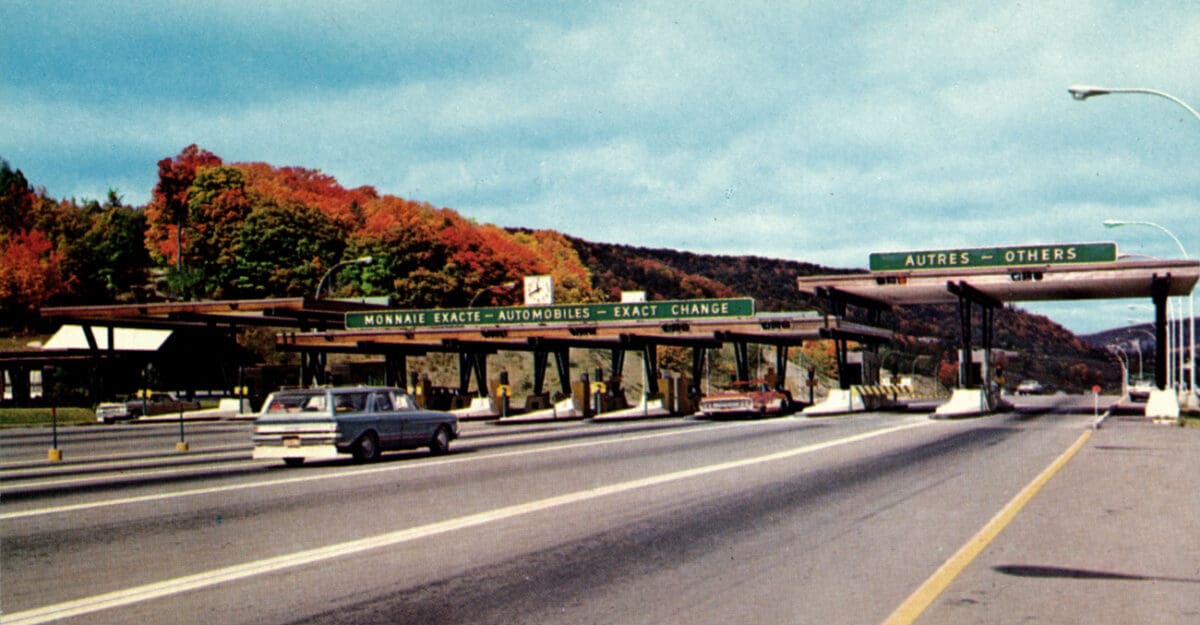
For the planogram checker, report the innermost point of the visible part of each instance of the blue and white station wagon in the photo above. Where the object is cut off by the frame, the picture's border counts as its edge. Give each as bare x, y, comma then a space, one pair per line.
324, 423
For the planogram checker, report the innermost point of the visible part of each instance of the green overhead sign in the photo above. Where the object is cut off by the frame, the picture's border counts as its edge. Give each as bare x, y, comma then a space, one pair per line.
1010, 256
568, 313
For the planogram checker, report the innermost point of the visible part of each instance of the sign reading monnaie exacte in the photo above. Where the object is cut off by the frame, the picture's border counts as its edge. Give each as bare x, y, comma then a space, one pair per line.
1015, 255
567, 313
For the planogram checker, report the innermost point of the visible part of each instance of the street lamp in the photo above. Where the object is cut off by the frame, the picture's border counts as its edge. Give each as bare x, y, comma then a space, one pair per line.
1122, 357
1083, 92
1137, 344
507, 286
365, 260
1117, 223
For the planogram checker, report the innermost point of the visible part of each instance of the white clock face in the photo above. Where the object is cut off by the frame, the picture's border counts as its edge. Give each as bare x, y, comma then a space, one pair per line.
539, 291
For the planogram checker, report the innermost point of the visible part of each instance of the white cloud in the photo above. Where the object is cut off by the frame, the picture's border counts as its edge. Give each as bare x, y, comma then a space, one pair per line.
814, 131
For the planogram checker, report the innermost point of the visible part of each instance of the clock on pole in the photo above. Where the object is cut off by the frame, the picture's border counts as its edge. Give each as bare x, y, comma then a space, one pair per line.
539, 290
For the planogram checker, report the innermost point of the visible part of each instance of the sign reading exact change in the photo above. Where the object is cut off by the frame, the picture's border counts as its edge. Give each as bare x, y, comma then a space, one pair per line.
568, 313
1016, 255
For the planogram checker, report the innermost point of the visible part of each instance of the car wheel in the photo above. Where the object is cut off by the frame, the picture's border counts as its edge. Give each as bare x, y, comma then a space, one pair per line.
367, 448
441, 441
293, 462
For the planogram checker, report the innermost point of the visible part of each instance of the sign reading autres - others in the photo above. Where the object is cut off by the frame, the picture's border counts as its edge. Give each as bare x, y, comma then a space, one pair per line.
1016, 255
568, 313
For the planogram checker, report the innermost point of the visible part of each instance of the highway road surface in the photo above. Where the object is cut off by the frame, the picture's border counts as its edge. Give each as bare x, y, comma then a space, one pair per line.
844, 520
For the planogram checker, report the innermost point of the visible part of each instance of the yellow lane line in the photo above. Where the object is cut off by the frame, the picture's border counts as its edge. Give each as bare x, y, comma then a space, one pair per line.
920, 600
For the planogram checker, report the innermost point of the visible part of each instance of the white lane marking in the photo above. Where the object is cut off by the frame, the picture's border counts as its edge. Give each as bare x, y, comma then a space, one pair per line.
350, 473
157, 590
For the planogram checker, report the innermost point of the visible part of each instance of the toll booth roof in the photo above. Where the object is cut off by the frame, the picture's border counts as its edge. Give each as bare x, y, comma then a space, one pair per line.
1114, 280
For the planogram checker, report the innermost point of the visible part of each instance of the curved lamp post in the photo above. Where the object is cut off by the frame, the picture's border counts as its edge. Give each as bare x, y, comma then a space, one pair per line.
1083, 92
1137, 344
365, 260
507, 286
1117, 223
1122, 357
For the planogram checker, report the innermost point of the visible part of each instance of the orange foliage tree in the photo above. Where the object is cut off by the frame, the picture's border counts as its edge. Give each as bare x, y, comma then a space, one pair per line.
168, 210
30, 273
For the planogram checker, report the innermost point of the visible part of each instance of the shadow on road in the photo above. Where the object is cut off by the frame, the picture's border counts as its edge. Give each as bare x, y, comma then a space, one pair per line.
1021, 570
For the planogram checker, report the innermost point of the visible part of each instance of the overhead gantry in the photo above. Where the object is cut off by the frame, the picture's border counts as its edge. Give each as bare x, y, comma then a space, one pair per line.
990, 277
587, 326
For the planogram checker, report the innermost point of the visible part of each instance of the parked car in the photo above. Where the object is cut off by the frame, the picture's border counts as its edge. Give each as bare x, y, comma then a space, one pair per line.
1030, 387
325, 423
142, 404
156, 402
1140, 391
754, 398
112, 411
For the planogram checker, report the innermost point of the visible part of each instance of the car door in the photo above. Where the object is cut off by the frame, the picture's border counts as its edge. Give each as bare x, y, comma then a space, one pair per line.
409, 415
350, 410
390, 423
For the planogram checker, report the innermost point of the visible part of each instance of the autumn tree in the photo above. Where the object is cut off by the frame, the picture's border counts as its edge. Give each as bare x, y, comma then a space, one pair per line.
284, 250
110, 260
16, 199
217, 206
168, 211
572, 278
30, 274
410, 256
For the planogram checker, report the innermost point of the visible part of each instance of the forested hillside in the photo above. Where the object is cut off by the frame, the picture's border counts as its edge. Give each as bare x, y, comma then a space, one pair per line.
217, 230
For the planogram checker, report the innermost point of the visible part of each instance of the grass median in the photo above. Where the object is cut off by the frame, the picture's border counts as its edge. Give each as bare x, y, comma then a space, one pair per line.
33, 417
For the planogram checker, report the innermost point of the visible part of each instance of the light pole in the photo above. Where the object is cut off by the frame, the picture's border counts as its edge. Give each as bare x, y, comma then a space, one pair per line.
1118, 352
1137, 344
365, 260
1117, 223
1083, 92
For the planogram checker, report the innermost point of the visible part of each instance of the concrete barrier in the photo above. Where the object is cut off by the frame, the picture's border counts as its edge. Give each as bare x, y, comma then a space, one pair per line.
652, 408
965, 402
839, 401
568, 408
480, 408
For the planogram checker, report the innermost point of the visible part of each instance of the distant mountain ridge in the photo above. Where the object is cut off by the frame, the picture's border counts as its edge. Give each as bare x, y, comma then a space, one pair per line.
926, 336
220, 230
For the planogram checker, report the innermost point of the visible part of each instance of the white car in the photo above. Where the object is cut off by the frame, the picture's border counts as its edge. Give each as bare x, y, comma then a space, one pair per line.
1029, 387
112, 411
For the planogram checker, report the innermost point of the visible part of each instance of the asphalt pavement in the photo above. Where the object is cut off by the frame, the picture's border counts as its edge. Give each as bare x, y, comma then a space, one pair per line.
807, 520
1128, 552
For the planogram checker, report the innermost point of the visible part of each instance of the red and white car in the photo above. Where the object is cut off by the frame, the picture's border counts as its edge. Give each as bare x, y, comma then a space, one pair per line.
753, 398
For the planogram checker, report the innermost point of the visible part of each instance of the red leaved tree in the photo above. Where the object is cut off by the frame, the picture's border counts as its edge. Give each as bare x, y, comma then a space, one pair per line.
167, 212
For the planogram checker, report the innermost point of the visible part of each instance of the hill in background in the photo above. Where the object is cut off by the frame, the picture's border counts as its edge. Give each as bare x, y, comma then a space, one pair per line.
221, 230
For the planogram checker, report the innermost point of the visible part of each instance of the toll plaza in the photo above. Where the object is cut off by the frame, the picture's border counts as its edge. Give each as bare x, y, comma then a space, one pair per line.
317, 328
552, 330
987, 278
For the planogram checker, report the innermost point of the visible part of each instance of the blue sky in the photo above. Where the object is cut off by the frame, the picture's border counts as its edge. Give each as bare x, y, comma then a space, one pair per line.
815, 131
